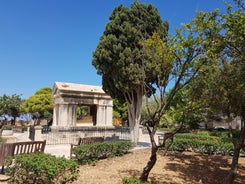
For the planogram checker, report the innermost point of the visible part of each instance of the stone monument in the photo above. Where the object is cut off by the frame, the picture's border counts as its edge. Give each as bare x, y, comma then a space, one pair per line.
67, 96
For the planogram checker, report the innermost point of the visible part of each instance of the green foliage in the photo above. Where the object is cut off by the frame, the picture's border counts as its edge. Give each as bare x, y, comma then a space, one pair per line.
7, 127
202, 143
184, 111
121, 147
226, 135
40, 104
118, 56
176, 61
89, 153
42, 168
133, 181
119, 110
82, 111
10, 105
220, 87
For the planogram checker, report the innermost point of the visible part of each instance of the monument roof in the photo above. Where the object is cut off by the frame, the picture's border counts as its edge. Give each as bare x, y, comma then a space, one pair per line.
78, 88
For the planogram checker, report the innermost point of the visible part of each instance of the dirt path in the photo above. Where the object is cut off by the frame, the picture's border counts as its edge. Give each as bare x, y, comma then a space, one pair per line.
175, 168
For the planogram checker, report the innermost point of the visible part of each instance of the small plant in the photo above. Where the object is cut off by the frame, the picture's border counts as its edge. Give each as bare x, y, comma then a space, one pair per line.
7, 127
90, 153
42, 168
133, 181
2, 140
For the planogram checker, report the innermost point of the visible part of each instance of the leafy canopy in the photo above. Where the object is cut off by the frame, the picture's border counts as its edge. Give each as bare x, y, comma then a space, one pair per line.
222, 85
10, 105
118, 56
40, 105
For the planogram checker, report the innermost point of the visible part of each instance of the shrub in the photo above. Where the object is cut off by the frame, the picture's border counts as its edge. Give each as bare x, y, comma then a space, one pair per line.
202, 143
2, 140
88, 153
7, 127
42, 168
132, 181
121, 148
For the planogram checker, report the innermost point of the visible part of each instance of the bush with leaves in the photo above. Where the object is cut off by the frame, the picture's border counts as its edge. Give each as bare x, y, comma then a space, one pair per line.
88, 153
202, 143
42, 168
132, 181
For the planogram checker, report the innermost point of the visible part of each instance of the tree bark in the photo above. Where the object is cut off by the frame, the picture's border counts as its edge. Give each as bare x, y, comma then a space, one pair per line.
150, 164
234, 165
134, 101
153, 158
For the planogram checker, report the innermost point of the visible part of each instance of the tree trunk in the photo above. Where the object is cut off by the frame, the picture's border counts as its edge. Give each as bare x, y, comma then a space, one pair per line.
134, 121
134, 101
234, 165
233, 171
152, 161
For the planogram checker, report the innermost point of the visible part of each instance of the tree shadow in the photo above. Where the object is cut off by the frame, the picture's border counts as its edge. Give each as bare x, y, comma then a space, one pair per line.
193, 168
198, 168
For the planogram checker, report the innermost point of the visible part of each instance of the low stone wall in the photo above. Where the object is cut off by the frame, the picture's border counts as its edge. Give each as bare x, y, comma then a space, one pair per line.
7, 135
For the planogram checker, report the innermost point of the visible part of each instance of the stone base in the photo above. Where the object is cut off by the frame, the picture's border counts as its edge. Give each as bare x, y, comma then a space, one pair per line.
9, 139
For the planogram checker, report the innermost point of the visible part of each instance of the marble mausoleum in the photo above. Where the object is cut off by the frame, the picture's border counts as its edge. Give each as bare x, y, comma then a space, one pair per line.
68, 96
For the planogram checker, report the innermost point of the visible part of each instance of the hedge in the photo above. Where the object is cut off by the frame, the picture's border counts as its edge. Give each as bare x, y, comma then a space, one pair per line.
202, 143
42, 168
89, 153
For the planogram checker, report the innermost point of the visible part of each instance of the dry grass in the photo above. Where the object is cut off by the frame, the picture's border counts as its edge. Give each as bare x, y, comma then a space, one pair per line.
175, 168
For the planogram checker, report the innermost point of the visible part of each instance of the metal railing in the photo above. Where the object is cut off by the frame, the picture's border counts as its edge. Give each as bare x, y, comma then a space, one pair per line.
68, 135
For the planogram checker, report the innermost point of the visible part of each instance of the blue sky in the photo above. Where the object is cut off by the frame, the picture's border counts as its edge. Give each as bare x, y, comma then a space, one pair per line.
43, 41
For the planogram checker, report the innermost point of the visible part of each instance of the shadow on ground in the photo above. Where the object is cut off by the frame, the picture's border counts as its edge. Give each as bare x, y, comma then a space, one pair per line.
193, 168
198, 168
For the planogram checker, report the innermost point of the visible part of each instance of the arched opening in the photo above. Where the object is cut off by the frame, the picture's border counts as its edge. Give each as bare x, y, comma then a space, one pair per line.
86, 115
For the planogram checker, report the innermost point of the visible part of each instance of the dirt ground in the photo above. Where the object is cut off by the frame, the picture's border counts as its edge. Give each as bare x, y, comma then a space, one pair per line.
174, 168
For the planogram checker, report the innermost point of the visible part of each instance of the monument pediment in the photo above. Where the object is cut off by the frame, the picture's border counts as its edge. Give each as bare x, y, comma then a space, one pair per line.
71, 89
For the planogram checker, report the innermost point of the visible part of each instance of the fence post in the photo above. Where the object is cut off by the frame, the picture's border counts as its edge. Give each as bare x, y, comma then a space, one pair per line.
38, 133
32, 132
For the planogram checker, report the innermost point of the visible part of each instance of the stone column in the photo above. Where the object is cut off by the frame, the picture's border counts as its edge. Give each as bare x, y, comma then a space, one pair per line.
55, 115
72, 115
100, 120
104, 115
108, 115
38, 133
63, 115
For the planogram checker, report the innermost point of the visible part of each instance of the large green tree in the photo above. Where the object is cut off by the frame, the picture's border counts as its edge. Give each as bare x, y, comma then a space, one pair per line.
119, 56
222, 87
40, 105
10, 106
169, 61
